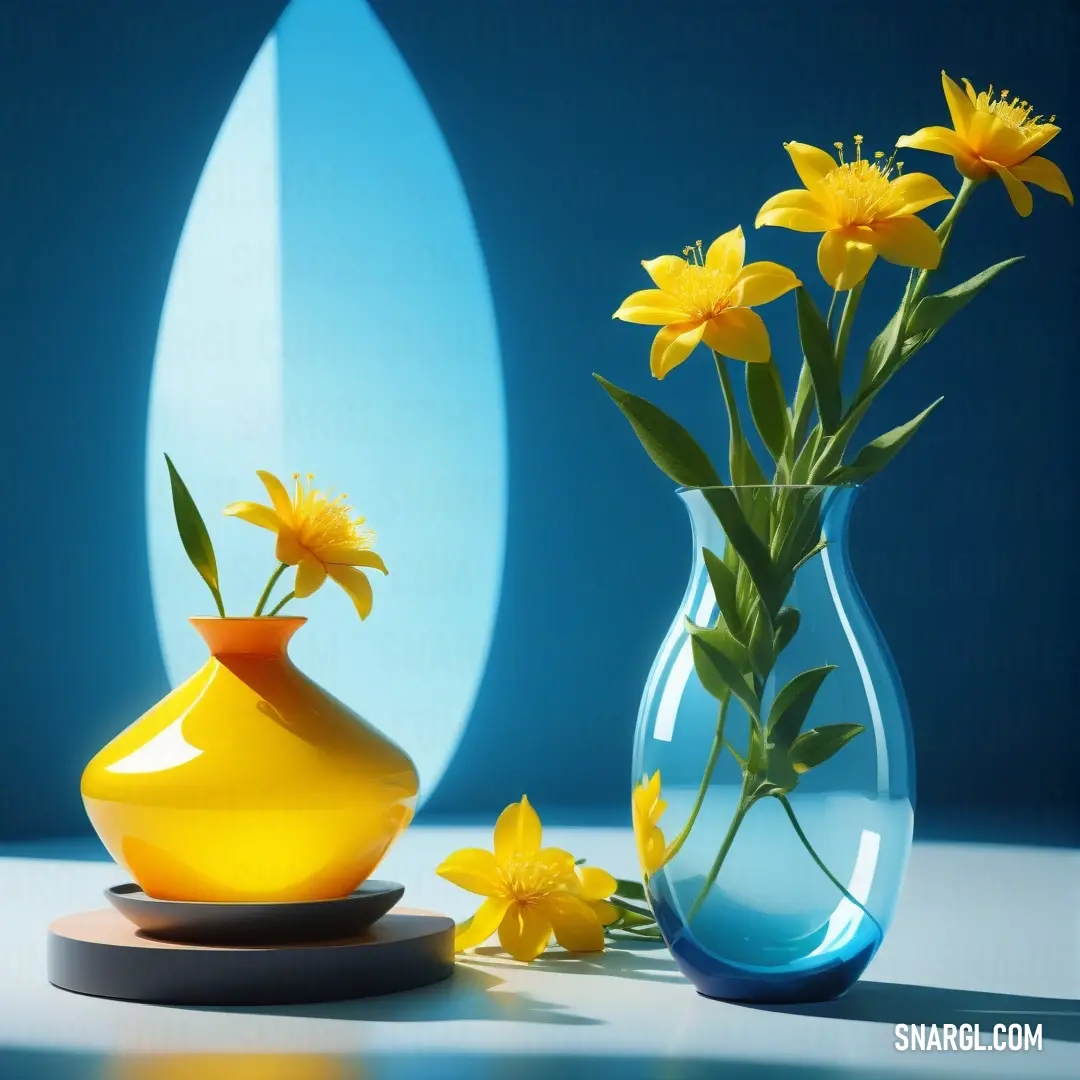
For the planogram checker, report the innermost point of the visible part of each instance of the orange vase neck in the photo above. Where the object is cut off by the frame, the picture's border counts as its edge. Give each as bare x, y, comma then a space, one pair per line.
264, 636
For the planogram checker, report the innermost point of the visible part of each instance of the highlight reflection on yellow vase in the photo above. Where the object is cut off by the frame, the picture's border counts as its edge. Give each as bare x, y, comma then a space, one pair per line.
248, 781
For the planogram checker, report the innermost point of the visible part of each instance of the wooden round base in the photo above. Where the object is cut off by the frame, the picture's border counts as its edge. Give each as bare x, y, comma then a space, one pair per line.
101, 953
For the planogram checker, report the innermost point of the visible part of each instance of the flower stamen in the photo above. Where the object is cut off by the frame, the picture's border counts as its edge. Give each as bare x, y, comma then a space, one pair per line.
859, 190
1012, 112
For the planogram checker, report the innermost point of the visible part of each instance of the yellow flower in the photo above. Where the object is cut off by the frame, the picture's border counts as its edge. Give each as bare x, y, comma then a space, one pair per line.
318, 536
647, 807
994, 136
707, 298
594, 887
530, 891
861, 208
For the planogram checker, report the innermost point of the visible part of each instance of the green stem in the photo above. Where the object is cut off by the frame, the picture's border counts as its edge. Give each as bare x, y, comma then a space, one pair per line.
821, 866
269, 589
846, 319
635, 909
284, 601
217, 600
714, 755
646, 934
714, 870
733, 416
944, 232
832, 305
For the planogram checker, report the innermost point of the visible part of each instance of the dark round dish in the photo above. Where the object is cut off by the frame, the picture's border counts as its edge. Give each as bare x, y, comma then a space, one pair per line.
199, 923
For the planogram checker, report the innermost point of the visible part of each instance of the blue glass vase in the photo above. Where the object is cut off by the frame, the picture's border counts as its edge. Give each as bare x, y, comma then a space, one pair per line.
789, 899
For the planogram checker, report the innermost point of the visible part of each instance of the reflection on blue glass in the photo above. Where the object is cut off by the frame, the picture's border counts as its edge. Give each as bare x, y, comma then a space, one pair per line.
774, 927
329, 312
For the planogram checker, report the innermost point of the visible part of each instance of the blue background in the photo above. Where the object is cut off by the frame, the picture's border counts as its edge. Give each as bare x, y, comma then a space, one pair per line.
588, 136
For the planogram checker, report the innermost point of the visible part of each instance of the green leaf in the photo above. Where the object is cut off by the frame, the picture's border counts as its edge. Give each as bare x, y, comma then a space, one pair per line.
723, 583
800, 471
760, 646
745, 470
803, 406
780, 774
836, 444
756, 756
717, 673
933, 312
817, 348
817, 745
805, 529
757, 508
720, 637
639, 933
746, 542
821, 545
793, 703
787, 625
913, 343
666, 441
193, 534
746, 595
874, 456
628, 887
768, 406
882, 347
633, 918
734, 651
731, 557
783, 470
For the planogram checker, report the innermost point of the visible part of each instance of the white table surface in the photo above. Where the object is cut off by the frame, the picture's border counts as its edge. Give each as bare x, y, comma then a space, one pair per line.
984, 934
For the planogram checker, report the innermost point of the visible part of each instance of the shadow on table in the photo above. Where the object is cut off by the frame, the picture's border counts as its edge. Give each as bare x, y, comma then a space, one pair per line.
470, 994
24, 1064
638, 960
903, 1003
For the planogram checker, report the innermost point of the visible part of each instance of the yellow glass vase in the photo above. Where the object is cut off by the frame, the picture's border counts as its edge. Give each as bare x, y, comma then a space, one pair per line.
249, 782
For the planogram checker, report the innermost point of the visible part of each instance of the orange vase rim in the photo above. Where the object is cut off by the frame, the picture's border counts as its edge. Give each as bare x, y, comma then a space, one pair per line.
267, 635
196, 619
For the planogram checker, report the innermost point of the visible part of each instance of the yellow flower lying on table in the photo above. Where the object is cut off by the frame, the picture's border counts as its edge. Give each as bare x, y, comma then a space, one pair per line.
707, 297
647, 807
994, 135
862, 209
317, 535
530, 892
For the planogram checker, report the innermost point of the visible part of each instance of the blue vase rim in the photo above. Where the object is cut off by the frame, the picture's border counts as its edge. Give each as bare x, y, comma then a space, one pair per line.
851, 485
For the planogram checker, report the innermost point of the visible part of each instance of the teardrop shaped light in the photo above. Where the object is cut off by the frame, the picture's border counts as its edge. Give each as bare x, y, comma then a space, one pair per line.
329, 312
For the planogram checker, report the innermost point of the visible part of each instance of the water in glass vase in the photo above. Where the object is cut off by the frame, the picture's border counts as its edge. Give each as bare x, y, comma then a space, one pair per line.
777, 877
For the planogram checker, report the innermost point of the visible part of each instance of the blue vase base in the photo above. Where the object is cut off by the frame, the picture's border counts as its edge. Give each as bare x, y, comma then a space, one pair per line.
715, 979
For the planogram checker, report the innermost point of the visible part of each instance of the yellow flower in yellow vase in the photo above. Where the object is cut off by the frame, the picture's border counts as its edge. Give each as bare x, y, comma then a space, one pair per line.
707, 297
647, 806
530, 891
863, 210
318, 535
995, 135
